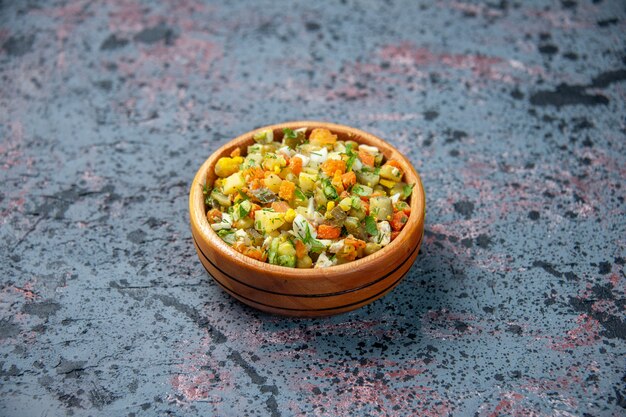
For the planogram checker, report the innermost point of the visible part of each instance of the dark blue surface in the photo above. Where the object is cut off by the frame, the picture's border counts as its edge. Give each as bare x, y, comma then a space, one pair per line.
513, 113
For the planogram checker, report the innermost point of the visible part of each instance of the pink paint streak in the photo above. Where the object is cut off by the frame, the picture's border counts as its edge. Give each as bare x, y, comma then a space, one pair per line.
586, 333
201, 378
353, 392
481, 66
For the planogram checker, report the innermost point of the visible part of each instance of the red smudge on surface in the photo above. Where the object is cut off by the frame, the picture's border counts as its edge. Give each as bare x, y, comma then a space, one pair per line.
9, 148
614, 279
506, 404
201, 377
586, 333
481, 66
355, 391
558, 390
560, 19
131, 16
476, 9
26, 291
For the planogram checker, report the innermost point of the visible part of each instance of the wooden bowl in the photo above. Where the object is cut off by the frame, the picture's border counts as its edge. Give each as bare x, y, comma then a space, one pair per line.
306, 292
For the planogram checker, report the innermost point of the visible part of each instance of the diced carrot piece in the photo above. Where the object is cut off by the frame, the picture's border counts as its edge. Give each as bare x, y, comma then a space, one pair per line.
235, 152
326, 231
407, 210
394, 163
357, 243
253, 173
344, 194
348, 179
300, 249
337, 183
394, 235
255, 183
399, 220
367, 158
214, 215
254, 254
296, 165
280, 206
330, 166
322, 137
366, 206
287, 190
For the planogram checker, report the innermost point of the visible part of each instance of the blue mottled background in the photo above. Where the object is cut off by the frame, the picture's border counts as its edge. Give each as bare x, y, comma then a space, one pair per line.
512, 111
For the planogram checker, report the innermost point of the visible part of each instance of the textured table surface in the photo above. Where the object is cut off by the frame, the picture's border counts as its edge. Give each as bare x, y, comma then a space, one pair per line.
512, 111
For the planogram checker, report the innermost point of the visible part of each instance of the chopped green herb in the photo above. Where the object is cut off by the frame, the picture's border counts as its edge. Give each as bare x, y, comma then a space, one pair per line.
370, 226
329, 190
242, 211
300, 195
316, 245
289, 133
227, 236
350, 162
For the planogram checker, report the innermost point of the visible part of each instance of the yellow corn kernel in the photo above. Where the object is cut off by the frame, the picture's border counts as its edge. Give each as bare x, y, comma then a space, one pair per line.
290, 215
330, 205
277, 169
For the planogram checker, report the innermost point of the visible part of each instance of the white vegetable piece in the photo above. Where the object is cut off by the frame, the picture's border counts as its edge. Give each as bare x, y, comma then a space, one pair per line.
336, 246
319, 156
357, 165
242, 236
369, 149
334, 155
310, 207
325, 242
305, 159
226, 223
285, 150
323, 261
395, 198
300, 227
384, 234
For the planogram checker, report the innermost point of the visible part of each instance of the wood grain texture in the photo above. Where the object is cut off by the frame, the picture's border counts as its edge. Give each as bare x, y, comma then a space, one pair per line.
307, 292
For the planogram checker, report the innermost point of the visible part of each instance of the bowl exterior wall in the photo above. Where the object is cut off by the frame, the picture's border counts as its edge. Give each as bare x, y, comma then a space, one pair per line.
312, 292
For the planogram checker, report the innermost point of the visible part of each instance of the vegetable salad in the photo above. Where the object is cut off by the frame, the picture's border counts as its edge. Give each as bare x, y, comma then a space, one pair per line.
307, 201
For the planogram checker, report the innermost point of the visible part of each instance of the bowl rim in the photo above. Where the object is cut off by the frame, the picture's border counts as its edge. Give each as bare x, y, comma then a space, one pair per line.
198, 215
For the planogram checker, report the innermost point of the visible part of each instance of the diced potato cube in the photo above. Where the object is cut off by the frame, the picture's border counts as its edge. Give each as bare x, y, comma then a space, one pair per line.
381, 208
391, 173
307, 182
362, 190
233, 183
273, 182
267, 221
